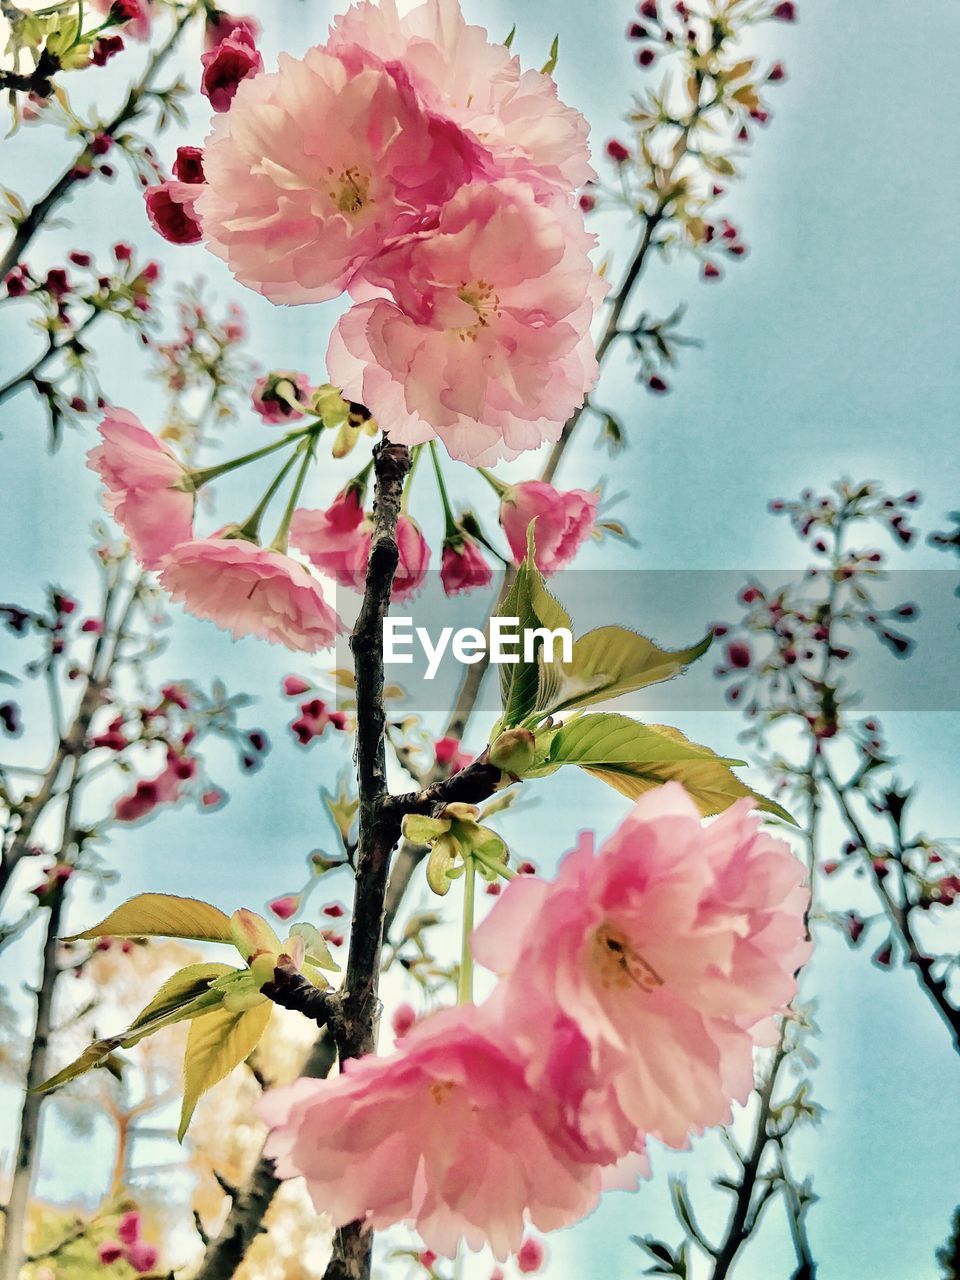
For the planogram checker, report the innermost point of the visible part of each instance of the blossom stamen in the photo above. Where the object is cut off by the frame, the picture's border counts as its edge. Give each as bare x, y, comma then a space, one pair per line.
485, 302
351, 191
619, 964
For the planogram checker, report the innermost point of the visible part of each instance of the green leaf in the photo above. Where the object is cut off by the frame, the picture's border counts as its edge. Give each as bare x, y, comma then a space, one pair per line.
534, 606
179, 990
608, 738
608, 663
216, 1044
152, 915
251, 934
550, 65
316, 950
166, 1014
420, 829
509, 40
707, 779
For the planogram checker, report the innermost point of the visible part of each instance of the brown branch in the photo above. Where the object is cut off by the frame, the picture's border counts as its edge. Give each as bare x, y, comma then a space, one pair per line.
39, 81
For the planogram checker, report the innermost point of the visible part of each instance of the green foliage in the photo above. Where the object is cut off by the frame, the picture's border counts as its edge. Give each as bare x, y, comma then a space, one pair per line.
225, 1005
606, 663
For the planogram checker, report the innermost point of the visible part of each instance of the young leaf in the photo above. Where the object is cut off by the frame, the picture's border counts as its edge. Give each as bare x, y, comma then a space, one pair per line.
509, 40
550, 65
162, 915
179, 990
316, 951
216, 1044
607, 663
607, 738
708, 779
98, 1053
251, 934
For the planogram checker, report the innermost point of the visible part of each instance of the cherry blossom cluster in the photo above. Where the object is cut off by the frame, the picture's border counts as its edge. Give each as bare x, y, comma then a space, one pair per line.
633, 990
410, 162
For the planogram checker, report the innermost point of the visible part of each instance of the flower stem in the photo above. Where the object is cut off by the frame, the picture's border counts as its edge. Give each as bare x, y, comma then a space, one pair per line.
200, 477
496, 485
251, 526
450, 524
465, 984
306, 447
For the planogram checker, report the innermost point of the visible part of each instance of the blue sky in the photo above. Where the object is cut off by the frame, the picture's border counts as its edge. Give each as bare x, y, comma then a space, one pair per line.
830, 350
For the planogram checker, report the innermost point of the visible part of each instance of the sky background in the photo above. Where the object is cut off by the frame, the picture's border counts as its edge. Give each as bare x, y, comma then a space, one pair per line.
831, 350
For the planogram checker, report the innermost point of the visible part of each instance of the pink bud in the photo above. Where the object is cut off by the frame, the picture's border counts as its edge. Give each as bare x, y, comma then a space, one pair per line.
293, 686
128, 1228
404, 1016
109, 1252
617, 151
531, 1256
285, 907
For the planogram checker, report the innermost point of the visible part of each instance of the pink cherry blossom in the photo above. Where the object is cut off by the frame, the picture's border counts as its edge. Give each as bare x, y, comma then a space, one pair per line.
138, 472
170, 207
337, 541
271, 408
485, 341
233, 59
641, 979
401, 1138
446, 752
285, 907
329, 538
563, 521
313, 720
464, 567
515, 116
251, 590
165, 788
220, 25
315, 167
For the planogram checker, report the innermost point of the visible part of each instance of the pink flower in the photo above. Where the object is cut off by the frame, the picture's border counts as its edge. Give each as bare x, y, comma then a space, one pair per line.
401, 1138
139, 472
515, 116
532, 1256
329, 538
446, 752
220, 25
285, 907
314, 718
170, 210
641, 979
293, 686
251, 590
135, 15
315, 167
485, 342
109, 1252
403, 1020
188, 166
165, 788
142, 1257
337, 542
464, 567
563, 521
128, 1228
271, 407
230, 61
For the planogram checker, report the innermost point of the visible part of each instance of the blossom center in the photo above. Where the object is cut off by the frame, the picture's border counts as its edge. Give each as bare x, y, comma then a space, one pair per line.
619, 964
440, 1091
478, 294
350, 190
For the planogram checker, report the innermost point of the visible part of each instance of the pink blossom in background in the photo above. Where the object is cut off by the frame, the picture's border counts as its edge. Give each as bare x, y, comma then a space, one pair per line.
464, 567
563, 521
286, 907
138, 471
188, 165
402, 1138
220, 25
165, 788
136, 16
269, 405
251, 590
170, 210
531, 1256
233, 59
515, 116
485, 341
128, 1228
315, 167
446, 752
329, 538
655, 964
313, 720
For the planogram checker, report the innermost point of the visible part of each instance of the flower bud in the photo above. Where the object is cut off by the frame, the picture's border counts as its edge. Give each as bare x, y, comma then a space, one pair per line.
513, 751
